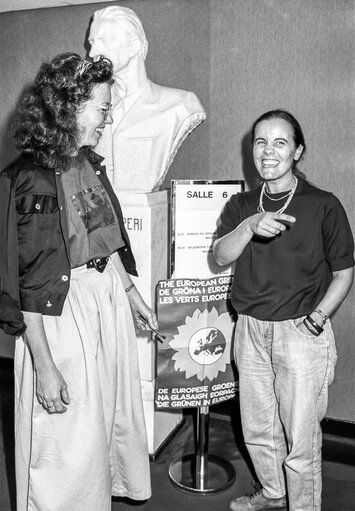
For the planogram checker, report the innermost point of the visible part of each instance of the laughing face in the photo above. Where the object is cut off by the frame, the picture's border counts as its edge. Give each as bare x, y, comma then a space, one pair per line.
93, 115
274, 150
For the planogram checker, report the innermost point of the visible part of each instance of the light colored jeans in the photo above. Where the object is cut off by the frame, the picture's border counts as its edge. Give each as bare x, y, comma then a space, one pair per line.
284, 377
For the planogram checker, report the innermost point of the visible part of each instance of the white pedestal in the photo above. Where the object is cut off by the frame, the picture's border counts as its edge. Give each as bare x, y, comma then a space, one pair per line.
146, 220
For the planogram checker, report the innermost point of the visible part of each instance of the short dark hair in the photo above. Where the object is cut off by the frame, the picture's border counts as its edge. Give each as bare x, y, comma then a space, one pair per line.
298, 137
45, 121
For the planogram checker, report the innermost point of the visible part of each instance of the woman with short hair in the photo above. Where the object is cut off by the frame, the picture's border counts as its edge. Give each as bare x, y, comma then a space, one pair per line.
293, 249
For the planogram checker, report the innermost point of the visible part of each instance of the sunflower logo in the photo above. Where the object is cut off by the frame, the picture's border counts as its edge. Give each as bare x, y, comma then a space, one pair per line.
203, 352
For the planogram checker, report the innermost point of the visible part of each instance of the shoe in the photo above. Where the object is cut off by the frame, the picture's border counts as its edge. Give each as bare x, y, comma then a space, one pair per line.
257, 502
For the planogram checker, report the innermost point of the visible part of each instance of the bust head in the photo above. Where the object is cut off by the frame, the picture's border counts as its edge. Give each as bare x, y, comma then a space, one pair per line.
117, 33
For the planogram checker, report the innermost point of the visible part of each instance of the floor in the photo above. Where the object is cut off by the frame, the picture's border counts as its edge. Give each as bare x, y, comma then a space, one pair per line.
225, 440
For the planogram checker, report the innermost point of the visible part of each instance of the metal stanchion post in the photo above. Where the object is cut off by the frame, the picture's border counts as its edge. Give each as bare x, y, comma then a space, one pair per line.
200, 472
202, 448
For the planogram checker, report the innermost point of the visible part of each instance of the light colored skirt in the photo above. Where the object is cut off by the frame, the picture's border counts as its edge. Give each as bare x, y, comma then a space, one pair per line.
76, 460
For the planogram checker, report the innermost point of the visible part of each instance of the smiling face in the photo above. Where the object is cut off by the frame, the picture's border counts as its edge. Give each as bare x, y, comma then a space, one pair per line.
109, 39
274, 150
93, 115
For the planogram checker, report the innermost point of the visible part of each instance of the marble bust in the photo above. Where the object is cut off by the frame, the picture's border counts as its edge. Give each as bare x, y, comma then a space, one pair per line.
150, 121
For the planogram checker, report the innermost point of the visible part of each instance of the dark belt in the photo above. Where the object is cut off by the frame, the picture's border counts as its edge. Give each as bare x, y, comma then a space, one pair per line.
99, 263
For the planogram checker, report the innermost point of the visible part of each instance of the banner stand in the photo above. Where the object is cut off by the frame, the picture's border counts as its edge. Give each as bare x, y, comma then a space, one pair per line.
200, 472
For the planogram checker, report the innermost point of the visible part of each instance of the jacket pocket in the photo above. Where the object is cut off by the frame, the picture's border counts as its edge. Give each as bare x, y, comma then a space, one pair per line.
37, 203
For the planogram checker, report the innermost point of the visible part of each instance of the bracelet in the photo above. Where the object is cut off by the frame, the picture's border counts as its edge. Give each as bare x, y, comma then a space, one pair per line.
315, 328
310, 328
322, 315
127, 289
314, 324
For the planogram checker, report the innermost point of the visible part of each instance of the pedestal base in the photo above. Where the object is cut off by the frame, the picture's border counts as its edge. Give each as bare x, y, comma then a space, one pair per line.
220, 475
146, 220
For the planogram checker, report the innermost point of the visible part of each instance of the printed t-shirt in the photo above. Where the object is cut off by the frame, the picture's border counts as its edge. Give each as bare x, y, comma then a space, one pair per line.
92, 222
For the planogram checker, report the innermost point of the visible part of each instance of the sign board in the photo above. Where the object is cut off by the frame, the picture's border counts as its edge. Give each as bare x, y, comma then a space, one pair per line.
196, 207
195, 360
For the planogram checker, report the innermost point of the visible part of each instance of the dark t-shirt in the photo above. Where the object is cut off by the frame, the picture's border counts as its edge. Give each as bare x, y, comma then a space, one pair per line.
285, 277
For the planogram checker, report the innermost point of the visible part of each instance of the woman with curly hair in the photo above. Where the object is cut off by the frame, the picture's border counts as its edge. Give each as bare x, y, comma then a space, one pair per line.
67, 296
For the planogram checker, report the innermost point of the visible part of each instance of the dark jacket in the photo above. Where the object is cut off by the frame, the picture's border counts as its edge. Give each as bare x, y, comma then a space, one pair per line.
34, 252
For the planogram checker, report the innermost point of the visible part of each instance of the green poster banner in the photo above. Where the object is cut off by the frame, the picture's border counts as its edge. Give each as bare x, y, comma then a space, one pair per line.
195, 362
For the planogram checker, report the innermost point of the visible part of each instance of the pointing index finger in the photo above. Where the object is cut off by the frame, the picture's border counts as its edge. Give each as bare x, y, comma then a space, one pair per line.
286, 218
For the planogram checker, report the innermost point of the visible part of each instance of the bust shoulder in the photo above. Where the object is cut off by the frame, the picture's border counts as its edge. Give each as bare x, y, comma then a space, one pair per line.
176, 98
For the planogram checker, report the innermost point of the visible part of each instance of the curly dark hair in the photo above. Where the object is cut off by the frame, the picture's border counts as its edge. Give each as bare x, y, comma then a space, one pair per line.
45, 121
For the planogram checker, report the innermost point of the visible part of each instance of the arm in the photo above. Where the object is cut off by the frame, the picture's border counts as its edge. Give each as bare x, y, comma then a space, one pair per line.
228, 248
138, 305
335, 295
338, 246
337, 291
50, 385
11, 317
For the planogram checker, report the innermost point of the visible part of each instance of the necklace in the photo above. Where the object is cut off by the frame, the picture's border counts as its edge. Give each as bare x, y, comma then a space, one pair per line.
260, 208
280, 198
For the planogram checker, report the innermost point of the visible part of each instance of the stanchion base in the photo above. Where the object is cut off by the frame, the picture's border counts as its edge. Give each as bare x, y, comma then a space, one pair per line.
182, 473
